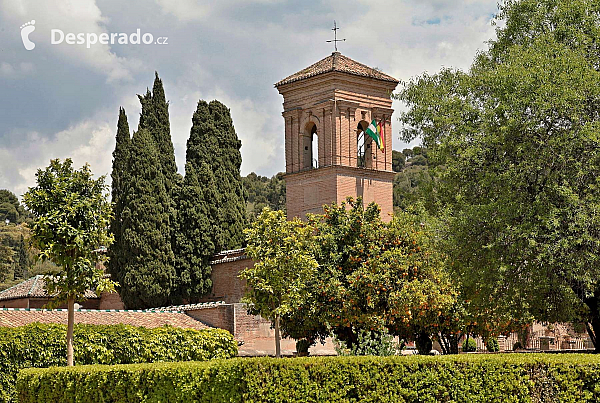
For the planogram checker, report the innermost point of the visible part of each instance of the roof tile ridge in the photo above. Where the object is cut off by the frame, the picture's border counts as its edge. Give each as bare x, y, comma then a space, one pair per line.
11, 287
36, 278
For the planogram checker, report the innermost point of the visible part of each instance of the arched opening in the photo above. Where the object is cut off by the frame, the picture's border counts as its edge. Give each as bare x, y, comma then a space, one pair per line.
363, 146
311, 147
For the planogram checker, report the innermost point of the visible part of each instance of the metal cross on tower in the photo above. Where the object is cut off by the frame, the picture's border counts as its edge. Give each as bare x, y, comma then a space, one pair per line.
335, 39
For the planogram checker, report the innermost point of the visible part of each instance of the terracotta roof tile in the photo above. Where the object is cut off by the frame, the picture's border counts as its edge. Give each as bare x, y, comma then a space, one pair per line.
337, 62
12, 317
33, 288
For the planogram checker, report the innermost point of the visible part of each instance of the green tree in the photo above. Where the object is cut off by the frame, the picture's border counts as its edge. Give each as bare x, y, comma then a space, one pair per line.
194, 242
71, 220
22, 260
398, 161
120, 178
213, 142
284, 261
518, 136
155, 119
148, 273
372, 276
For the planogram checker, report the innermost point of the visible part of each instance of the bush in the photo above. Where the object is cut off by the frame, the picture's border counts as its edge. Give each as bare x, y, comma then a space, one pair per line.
462, 378
492, 345
39, 345
378, 343
517, 346
469, 346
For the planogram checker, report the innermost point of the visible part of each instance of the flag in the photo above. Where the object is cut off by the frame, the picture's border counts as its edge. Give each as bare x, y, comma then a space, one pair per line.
374, 131
381, 135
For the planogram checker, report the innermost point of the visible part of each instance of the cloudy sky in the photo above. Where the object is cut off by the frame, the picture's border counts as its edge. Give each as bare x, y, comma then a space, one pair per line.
61, 100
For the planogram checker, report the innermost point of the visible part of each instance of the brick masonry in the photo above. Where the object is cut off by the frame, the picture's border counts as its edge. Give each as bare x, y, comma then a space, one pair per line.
334, 104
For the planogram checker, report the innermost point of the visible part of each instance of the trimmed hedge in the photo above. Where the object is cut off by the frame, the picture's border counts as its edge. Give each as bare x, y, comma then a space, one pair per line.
44, 345
463, 378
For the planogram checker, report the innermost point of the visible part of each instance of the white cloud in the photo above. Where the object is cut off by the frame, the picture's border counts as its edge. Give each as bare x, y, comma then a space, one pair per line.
76, 16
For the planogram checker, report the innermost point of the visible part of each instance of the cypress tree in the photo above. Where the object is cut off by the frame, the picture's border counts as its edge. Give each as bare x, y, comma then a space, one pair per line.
22, 261
148, 273
120, 175
155, 119
195, 243
211, 208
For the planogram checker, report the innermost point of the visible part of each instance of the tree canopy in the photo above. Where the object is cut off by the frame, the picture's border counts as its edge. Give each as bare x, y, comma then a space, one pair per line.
518, 136
71, 219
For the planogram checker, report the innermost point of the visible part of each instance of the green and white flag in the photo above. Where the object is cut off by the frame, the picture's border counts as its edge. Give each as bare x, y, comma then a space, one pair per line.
374, 131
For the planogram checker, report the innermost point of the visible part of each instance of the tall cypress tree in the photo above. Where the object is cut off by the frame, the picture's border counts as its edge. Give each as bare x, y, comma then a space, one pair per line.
232, 207
155, 119
22, 261
195, 242
148, 272
211, 208
120, 175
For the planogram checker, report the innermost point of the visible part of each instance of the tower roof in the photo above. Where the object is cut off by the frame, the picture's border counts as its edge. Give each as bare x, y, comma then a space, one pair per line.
337, 62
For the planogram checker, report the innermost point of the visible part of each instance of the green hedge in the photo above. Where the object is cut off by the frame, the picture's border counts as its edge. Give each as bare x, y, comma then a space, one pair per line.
464, 378
44, 345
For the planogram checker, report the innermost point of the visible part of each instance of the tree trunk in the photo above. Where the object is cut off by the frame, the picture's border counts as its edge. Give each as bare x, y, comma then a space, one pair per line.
277, 338
70, 321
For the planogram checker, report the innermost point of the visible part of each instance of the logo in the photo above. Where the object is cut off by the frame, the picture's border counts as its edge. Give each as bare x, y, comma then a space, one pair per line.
26, 29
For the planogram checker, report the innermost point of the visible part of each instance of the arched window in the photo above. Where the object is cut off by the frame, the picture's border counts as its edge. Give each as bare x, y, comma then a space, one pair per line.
311, 147
363, 146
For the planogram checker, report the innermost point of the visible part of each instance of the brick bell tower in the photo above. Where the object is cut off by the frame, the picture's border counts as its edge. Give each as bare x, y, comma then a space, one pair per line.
327, 108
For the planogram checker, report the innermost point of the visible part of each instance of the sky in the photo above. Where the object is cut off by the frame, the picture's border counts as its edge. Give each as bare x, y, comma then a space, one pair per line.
61, 100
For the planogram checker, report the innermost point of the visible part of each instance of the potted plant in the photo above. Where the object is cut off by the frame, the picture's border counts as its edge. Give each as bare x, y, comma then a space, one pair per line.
302, 346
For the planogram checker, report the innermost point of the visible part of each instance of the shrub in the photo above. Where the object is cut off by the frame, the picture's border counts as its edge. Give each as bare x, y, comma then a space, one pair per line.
492, 345
302, 346
517, 346
469, 346
378, 343
39, 345
462, 378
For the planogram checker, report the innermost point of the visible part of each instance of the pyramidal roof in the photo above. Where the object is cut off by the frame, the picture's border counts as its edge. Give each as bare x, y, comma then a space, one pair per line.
337, 62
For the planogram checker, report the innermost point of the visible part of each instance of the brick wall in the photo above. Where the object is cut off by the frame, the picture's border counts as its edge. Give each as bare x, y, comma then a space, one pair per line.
308, 191
227, 286
110, 300
220, 316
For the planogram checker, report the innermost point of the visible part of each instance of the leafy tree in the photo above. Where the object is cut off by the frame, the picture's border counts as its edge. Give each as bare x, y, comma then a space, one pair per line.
120, 178
261, 192
11, 208
71, 220
284, 261
149, 274
518, 136
372, 276
398, 161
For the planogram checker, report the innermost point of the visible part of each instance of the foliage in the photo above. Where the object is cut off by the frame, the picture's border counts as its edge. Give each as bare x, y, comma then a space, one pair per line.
398, 161
372, 276
517, 134
71, 221
148, 277
11, 208
469, 345
377, 343
211, 204
491, 344
284, 262
464, 378
118, 251
42, 345
263, 192
302, 346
